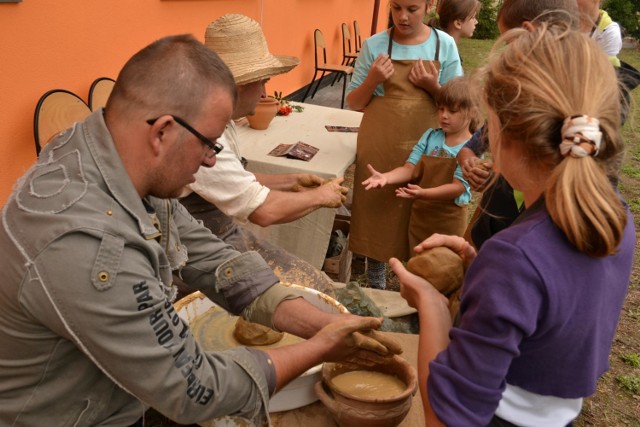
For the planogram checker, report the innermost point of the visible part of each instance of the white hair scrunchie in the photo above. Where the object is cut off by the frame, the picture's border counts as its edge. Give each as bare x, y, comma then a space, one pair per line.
581, 136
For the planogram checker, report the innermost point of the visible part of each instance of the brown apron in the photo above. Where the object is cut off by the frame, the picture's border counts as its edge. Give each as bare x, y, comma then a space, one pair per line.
390, 127
435, 216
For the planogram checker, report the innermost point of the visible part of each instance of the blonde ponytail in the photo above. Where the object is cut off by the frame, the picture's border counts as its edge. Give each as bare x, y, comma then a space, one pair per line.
536, 83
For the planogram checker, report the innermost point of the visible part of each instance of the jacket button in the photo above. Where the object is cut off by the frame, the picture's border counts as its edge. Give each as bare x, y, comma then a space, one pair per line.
103, 276
228, 272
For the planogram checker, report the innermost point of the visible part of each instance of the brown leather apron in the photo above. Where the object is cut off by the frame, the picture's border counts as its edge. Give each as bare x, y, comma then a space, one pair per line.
435, 216
390, 127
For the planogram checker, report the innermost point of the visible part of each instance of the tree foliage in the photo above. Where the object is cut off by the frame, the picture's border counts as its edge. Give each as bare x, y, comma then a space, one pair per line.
487, 27
627, 14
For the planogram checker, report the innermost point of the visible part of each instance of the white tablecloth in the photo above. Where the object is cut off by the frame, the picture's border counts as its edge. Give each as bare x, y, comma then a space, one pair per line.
307, 237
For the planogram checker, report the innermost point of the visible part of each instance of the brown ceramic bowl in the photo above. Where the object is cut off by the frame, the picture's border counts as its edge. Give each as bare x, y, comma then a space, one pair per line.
370, 411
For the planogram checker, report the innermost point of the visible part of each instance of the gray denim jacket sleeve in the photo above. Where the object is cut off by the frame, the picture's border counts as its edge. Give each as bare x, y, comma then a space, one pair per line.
231, 279
131, 335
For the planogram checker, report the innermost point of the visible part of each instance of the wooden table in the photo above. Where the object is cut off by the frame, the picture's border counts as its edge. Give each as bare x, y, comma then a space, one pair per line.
307, 237
316, 415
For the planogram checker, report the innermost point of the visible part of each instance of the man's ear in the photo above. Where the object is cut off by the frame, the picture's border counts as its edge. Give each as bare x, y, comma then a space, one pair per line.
157, 134
528, 25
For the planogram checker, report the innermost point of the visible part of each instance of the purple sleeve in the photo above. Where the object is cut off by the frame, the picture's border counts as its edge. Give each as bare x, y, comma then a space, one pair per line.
500, 306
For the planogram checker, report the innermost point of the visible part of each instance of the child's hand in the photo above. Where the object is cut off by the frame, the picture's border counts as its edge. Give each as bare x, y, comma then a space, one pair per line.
456, 243
411, 191
376, 180
381, 69
477, 172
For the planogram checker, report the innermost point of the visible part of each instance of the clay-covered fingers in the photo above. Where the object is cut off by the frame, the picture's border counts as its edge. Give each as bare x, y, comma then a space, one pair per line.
310, 180
307, 181
414, 288
342, 339
336, 194
365, 358
392, 346
456, 243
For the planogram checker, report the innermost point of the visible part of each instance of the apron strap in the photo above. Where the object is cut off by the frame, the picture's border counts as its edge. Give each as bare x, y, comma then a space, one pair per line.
437, 55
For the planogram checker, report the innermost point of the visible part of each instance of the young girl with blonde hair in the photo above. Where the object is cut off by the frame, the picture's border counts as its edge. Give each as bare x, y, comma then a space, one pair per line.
541, 299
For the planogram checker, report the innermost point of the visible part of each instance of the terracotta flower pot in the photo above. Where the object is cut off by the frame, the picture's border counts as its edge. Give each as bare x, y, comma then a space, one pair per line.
266, 110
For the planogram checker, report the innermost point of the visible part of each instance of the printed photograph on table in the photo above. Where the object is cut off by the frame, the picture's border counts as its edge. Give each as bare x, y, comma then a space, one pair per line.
299, 150
332, 128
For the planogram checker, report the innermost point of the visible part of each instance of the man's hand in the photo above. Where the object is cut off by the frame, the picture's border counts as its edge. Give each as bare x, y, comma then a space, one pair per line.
306, 181
333, 194
355, 340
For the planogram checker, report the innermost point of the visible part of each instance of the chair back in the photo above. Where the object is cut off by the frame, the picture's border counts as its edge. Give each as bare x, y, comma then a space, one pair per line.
357, 37
346, 41
57, 110
99, 92
320, 48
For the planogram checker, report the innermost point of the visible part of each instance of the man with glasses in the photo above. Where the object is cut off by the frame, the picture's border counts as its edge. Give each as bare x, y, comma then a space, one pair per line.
90, 240
228, 195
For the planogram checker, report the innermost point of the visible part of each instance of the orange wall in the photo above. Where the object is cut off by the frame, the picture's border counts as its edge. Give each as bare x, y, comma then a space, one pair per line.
47, 44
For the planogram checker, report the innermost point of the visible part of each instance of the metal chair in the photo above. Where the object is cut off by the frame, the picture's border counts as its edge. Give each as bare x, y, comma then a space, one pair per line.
357, 38
320, 55
349, 55
57, 110
99, 92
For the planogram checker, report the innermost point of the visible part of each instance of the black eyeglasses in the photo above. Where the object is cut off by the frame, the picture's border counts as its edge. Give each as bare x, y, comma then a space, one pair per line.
213, 147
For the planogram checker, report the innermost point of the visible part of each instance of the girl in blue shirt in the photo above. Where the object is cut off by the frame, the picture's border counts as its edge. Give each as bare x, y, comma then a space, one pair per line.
397, 75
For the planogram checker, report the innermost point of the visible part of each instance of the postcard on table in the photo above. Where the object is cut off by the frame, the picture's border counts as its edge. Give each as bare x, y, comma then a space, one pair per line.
332, 128
299, 150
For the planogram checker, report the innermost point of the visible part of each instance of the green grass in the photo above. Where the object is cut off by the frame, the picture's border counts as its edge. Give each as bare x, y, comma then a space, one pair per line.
474, 53
630, 383
631, 359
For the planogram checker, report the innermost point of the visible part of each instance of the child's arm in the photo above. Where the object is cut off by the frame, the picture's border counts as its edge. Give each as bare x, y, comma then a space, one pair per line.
399, 175
442, 192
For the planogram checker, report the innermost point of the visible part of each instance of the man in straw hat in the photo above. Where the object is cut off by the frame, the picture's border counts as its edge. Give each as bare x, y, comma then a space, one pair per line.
229, 193
88, 333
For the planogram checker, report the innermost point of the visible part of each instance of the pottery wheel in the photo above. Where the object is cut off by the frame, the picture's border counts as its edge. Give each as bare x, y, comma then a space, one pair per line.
213, 330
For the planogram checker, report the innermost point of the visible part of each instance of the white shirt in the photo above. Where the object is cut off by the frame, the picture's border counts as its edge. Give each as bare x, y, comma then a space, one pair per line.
227, 185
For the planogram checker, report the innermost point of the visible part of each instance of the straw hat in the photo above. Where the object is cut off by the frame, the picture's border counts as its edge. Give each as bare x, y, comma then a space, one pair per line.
240, 42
